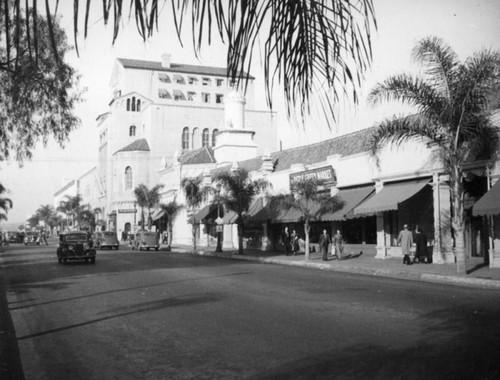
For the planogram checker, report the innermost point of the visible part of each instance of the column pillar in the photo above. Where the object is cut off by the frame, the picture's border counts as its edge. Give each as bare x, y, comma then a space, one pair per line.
443, 245
381, 246
266, 241
227, 236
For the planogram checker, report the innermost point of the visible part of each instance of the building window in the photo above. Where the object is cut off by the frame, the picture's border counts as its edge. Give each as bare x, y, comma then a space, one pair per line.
128, 178
133, 103
206, 81
193, 80
191, 95
214, 136
178, 79
131, 130
179, 95
205, 137
164, 94
164, 78
205, 97
185, 138
219, 98
128, 104
196, 139
219, 82
138, 108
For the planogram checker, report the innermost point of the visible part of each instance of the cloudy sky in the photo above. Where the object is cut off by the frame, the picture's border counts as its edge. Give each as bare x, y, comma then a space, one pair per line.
467, 25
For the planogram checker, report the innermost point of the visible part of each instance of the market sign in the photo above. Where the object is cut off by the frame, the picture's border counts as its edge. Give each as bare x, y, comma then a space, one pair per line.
127, 211
324, 175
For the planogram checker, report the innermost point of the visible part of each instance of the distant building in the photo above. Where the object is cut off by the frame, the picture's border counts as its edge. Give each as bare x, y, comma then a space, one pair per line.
160, 111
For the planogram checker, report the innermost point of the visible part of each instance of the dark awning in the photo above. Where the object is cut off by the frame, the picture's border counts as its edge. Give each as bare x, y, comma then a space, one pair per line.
391, 195
255, 213
489, 204
351, 199
201, 215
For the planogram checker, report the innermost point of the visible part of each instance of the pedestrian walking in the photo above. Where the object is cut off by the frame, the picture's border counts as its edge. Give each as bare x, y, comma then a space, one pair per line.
324, 243
405, 238
43, 237
338, 244
294, 242
165, 237
285, 240
421, 253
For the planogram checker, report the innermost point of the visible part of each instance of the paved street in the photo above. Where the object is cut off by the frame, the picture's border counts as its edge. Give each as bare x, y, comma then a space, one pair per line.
161, 315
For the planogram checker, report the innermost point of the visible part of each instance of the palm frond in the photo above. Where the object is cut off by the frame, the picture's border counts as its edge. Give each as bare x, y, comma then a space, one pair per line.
440, 62
412, 91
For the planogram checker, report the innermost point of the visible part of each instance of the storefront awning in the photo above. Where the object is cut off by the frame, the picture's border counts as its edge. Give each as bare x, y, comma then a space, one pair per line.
157, 214
350, 198
204, 213
391, 195
257, 213
489, 204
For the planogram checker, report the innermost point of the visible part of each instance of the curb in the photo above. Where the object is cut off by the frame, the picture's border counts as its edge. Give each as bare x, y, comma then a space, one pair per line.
425, 277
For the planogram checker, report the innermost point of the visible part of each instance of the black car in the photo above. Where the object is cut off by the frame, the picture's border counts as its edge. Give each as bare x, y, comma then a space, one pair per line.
32, 237
16, 237
75, 245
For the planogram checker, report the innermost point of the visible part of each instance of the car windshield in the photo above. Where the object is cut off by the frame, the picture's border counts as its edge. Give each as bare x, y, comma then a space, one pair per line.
75, 237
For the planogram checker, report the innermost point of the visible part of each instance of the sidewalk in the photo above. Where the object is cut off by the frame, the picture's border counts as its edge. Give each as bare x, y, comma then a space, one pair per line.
479, 275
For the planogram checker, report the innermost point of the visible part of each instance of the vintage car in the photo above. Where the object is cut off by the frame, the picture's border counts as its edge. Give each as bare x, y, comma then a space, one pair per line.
16, 237
146, 240
106, 239
32, 237
75, 245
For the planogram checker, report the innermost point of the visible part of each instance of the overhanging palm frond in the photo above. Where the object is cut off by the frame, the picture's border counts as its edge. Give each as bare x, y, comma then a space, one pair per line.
401, 129
440, 62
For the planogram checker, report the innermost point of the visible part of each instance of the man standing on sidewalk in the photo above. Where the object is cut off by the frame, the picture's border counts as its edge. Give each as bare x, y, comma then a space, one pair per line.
324, 243
405, 238
338, 244
285, 240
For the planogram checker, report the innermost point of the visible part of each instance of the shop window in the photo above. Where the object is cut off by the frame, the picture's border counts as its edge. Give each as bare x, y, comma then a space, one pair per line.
128, 178
131, 130
205, 137
185, 138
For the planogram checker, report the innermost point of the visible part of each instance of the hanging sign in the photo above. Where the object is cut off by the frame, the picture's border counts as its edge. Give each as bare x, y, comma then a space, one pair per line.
324, 175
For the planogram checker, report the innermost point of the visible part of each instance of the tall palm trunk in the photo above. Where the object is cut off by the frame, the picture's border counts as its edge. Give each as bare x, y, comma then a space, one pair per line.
240, 238
307, 229
457, 221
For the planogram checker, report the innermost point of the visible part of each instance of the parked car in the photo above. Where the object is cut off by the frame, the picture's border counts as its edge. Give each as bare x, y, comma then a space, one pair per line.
32, 237
75, 245
108, 240
16, 237
146, 240
96, 239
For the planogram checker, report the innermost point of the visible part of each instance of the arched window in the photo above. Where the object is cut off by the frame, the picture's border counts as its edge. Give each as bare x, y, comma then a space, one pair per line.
131, 130
205, 137
128, 178
185, 138
138, 105
133, 103
214, 136
128, 104
196, 139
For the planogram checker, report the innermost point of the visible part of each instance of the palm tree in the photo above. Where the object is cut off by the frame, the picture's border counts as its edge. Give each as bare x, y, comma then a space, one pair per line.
170, 209
304, 44
309, 201
195, 195
147, 198
71, 207
5, 204
452, 115
45, 213
238, 191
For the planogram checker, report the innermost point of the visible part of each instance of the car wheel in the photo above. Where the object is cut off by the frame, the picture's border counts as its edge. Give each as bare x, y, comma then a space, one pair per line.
92, 260
156, 248
86, 260
65, 261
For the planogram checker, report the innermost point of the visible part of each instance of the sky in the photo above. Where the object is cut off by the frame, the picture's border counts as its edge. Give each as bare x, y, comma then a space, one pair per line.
466, 25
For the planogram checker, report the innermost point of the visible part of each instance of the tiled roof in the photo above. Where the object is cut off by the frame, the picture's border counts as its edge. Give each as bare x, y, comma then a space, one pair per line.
174, 67
137, 145
203, 155
352, 143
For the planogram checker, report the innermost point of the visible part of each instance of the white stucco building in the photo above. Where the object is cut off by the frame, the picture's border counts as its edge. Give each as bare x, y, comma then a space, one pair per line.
160, 111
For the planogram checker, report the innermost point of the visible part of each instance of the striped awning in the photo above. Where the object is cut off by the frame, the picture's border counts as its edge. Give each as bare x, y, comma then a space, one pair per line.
391, 195
351, 198
489, 204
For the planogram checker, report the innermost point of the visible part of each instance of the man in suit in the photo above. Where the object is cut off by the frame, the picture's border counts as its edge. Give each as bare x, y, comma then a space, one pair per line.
338, 242
285, 240
405, 238
324, 243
